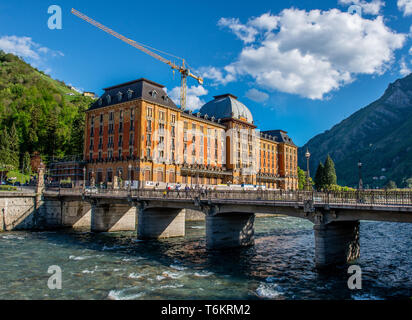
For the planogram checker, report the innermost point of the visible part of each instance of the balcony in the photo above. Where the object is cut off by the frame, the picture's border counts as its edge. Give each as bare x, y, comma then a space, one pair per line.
261, 176
200, 169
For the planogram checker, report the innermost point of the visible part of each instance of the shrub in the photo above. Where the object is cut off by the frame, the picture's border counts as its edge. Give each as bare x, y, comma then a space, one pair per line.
8, 188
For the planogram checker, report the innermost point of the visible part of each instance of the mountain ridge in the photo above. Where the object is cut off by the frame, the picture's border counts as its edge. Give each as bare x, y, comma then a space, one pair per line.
378, 134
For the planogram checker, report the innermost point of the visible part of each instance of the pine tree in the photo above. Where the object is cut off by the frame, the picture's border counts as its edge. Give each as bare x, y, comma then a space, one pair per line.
13, 146
4, 148
319, 177
329, 172
26, 164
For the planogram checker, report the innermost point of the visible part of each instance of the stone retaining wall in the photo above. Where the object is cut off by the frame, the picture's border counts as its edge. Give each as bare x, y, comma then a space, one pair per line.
16, 211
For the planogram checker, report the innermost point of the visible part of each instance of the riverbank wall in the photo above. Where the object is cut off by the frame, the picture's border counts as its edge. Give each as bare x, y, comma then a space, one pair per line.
25, 210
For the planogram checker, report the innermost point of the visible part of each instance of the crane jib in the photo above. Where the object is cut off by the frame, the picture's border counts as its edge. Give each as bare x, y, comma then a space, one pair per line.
185, 72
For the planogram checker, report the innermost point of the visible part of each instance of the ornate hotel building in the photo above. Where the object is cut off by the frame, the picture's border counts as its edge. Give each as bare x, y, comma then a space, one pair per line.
136, 132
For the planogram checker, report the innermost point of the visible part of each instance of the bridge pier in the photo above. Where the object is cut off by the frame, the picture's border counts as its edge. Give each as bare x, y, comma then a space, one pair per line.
107, 217
230, 230
336, 243
156, 223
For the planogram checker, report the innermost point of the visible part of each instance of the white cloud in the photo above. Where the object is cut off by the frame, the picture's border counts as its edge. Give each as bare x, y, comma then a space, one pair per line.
243, 32
217, 75
26, 48
311, 53
266, 22
405, 6
256, 95
193, 93
369, 7
21, 46
404, 69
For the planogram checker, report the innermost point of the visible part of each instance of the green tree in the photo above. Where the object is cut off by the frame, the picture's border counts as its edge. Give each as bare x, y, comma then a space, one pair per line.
13, 146
75, 145
4, 148
329, 172
391, 185
408, 183
320, 177
26, 164
302, 179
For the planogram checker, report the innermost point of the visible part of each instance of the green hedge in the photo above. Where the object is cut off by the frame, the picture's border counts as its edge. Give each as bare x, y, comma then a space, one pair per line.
8, 188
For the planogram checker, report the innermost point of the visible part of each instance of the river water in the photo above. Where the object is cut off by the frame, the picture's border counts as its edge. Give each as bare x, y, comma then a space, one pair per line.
279, 266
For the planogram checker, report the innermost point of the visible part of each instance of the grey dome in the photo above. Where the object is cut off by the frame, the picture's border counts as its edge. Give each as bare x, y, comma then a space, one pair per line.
227, 106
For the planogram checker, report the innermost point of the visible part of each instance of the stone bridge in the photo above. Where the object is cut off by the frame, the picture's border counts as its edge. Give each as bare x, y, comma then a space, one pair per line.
230, 214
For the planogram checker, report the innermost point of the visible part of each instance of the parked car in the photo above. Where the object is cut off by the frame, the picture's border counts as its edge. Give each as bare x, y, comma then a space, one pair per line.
91, 190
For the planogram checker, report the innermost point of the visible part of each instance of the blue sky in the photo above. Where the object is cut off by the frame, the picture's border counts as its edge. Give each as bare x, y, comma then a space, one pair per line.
302, 66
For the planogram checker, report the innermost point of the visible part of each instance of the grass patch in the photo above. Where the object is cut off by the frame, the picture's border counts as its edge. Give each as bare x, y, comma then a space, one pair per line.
20, 177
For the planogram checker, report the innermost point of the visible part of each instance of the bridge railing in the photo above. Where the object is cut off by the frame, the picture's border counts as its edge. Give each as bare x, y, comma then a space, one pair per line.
336, 197
375, 197
398, 198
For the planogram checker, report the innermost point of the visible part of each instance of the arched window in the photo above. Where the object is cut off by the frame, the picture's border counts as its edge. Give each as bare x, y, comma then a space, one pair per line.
160, 176
147, 175
171, 177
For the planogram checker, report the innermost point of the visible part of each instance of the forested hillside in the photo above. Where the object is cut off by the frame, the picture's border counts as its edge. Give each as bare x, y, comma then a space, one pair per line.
37, 113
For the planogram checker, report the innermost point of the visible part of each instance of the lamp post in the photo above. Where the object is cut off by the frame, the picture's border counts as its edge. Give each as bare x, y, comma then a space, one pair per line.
92, 180
307, 156
130, 177
84, 178
360, 186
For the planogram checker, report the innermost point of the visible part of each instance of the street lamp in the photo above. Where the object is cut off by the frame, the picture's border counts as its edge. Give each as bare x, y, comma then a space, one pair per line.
92, 179
307, 156
84, 178
360, 186
130, 177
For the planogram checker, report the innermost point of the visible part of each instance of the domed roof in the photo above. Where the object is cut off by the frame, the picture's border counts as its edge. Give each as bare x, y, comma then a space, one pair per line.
227, 106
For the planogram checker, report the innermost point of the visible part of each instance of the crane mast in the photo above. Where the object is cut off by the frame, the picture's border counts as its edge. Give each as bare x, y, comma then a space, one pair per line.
183, 70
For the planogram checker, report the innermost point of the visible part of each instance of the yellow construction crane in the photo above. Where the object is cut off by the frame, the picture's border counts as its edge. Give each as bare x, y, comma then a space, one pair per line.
184, 71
